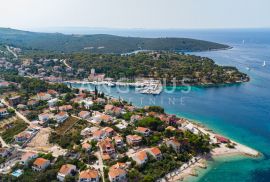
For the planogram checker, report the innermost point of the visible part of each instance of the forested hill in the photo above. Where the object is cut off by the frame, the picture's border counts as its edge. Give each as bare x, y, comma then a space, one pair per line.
99, 43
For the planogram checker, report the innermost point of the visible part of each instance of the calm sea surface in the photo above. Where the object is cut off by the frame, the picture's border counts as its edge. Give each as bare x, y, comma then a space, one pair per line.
241, 112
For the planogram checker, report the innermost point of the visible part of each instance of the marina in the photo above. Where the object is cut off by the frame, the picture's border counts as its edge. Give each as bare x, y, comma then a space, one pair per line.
153, 87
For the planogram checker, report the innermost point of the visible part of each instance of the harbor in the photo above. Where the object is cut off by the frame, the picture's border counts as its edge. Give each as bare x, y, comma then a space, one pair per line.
153, 87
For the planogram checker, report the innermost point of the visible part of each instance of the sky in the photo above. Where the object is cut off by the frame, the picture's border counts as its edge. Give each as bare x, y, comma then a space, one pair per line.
148, 14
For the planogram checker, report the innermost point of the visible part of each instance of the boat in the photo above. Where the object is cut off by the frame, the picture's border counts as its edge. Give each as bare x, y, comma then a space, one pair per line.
248, 68
110, 84
264, 64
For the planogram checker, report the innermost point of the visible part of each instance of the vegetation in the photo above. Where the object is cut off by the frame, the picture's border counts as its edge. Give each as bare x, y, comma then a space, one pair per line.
184, 68
32, 85
151, 123
57, 42
13, 129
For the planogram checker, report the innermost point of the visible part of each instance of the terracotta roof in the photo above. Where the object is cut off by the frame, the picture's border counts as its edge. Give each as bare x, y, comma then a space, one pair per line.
61, 114
88, 174
42, 94
40, 161
105, 117
142, 129
66, 169
104, 144
83, 113
52, 92
116, 172
155, 151
109, 107
141, 155
108, 129
134, 137
118, 165
65, 107
98, 133
105, 157
3, 110
86, 145
117, 138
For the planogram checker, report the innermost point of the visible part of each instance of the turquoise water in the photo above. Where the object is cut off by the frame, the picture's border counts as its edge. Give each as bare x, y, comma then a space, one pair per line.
241, 112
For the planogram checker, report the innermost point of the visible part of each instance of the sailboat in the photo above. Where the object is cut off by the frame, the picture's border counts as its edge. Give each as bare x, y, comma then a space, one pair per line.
264, 64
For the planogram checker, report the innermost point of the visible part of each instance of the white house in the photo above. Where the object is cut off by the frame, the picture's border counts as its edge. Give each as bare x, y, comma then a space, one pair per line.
61, 117
52, 102
44, 117
44, 96
87, 103
26, 157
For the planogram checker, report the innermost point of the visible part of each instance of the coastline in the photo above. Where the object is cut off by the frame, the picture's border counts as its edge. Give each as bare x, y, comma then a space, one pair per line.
222, 151
202, 163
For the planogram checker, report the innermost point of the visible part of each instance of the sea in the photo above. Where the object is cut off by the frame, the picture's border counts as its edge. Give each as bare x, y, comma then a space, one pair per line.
238, 111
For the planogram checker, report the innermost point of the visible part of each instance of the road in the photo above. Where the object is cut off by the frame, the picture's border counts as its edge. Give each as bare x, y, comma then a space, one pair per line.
13, 53
101, 165
4, 144
17, 113
65, 63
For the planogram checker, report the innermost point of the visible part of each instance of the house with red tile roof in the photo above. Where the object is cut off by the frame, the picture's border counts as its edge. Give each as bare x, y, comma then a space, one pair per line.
108, 108
135, 118
99, 135
109, 131
133, 139
65, 170
84, 114
221, 139
106, 147
86, 146
120, 165
52, 92
144, 131
140, 157
65, 108
117, 175
89, 175
44, 96
118, 140
155, 152
40, 164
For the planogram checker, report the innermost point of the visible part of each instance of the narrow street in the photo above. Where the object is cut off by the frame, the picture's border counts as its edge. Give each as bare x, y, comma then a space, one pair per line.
101, 165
